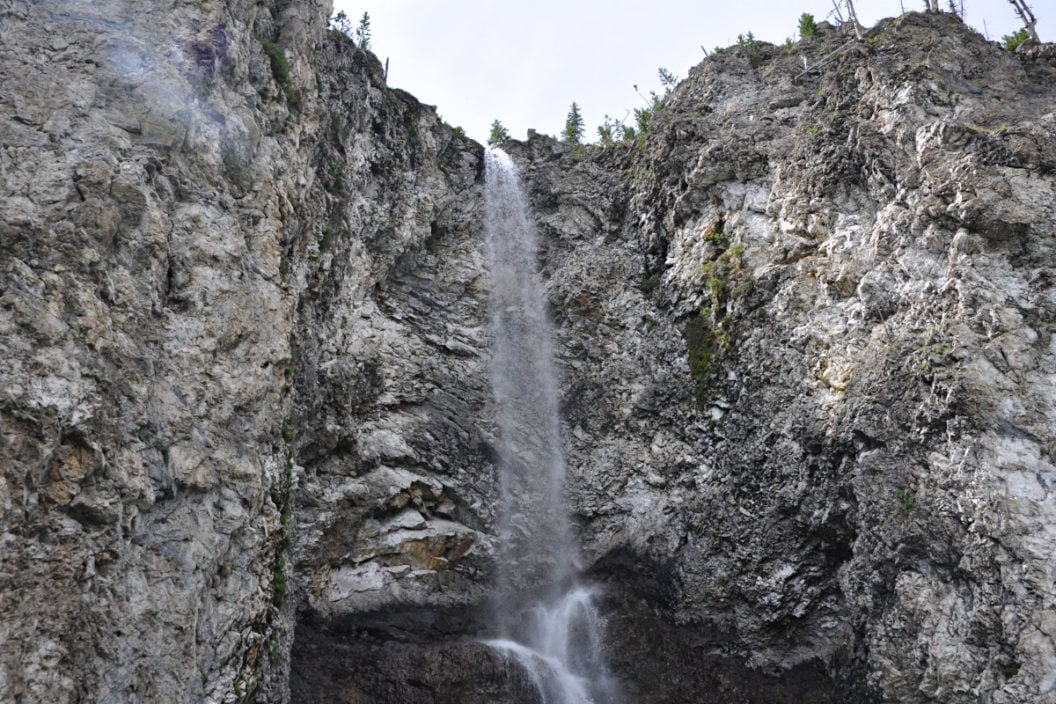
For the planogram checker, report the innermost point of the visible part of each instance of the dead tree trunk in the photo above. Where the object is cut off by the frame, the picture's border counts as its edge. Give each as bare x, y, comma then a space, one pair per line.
1029, 21
854, 18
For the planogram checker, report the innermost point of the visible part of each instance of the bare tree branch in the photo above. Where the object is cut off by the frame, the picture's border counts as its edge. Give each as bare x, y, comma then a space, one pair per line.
853, 16
1029, 21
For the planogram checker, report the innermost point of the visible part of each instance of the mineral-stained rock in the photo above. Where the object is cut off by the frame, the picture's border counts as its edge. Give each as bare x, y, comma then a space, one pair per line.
805, 332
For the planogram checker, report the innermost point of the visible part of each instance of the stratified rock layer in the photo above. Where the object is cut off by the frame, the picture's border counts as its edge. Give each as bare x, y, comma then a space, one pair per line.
805, 331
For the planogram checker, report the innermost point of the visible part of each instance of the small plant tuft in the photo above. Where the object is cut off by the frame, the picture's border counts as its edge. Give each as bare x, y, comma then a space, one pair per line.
336, 183
905, 501
280, 65
708, 334
650, 284
717, 237
289, 427
278, 588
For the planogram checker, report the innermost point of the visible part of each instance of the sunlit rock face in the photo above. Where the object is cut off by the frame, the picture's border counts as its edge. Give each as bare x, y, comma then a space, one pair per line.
803, 336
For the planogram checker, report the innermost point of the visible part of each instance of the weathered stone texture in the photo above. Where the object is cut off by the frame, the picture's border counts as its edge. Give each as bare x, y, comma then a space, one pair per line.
805, 334
173, 215
859, 257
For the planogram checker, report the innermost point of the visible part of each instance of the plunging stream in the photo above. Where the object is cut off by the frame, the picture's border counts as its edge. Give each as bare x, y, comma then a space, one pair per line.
545, 617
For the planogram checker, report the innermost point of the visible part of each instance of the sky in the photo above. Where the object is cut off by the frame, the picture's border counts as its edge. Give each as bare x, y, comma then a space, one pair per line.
524, 63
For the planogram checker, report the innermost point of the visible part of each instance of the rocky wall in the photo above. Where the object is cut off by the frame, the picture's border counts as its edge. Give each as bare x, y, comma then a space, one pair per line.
809, 369
804, 332
187, 188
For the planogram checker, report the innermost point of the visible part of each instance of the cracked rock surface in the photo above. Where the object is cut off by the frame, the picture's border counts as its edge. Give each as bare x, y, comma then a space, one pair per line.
804, 332
809, 370
185, 190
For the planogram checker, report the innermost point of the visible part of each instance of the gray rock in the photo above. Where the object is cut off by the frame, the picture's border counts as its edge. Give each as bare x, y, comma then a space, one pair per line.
804, 335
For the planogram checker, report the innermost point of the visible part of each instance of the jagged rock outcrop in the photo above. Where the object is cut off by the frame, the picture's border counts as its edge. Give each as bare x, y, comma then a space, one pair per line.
805, 331
859, 258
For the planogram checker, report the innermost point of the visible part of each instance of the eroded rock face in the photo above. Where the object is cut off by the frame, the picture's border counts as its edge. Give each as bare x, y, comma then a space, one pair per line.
804, 332
858, 258
187, 189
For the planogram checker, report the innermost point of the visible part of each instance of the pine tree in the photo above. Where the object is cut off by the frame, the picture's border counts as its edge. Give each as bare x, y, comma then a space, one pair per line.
341, 23
807, 26
363, 32
607, 131
667, 79
573, 132
499, 135
643, 117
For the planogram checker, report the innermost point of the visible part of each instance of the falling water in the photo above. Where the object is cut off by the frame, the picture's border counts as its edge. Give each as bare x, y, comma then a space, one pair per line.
546, 619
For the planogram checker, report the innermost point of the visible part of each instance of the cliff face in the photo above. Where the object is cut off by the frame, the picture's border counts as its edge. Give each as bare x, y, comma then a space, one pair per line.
180, 209
840, 473
878, 356
805, 336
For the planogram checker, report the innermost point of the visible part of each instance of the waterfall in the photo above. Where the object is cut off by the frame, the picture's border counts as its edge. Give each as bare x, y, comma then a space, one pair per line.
545, 617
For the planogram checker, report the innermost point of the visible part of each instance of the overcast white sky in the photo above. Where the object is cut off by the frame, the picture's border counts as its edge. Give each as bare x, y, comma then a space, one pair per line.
524, 62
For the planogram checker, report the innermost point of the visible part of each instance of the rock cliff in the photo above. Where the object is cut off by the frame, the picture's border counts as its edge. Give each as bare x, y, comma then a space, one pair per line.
805, 332
854, 240
200, 201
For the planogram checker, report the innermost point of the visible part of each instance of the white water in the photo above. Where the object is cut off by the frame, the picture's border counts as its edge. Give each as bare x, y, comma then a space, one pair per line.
557, 636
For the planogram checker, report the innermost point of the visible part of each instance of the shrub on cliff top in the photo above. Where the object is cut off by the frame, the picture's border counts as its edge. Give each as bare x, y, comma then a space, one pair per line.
1012, 41
573, 132
807, 26
499, 134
